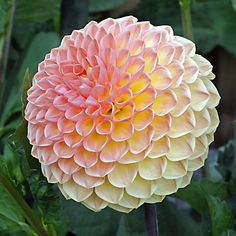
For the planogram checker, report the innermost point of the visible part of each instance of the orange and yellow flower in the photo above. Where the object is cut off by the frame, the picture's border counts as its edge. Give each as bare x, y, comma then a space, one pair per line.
122, 113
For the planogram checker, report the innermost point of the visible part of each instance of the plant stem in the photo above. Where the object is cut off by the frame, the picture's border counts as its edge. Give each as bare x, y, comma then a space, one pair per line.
186, 18
151, 219
23, 207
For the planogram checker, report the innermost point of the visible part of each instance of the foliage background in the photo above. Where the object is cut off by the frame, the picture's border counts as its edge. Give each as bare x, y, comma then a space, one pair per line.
28, 30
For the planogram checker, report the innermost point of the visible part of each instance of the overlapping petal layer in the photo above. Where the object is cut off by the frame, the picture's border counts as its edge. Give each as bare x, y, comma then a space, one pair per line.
121, 113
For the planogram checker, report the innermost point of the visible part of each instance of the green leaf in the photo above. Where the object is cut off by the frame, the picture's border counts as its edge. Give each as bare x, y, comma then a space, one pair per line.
197, 192
234, 4
11, 220
174, 221
104, 5
40, 45
86, 222
36, 11
214, 21
221, 216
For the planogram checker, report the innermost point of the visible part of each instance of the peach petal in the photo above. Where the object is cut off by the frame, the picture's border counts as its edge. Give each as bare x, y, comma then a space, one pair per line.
144, 99
150, 58
109, 193
139, 83
175, 169
104, 127
73, 139
47, 172
39, 138
113, 151
183, 95
124, 113
135, 65
200, 95
59, 175
87, 181
85, 158
140, 140
181, 148
129, 157
142, 119
65, 126
53, 114
45, 155
61, 103
62, 149
100, 169
95, 203
176, 70
159, 147
165, 54
152, 169
122, 131
136, 47
164, 103
141, 188
123, 40
51, 131
161, 126
85, 126
68, 166
160, 78
182, 124
122, 57
75, 191
154, 37
128, 173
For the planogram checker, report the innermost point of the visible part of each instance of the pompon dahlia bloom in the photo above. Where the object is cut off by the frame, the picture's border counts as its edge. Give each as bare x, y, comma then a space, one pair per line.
122, 113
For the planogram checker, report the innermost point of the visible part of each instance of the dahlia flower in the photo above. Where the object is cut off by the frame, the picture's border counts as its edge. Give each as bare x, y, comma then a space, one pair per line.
121, 113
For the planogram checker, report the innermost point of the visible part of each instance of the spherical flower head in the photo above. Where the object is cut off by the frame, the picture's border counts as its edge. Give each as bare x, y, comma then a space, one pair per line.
121, 113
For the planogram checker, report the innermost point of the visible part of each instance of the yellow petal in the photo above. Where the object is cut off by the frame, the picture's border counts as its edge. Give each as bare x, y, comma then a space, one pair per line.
159, 147
141, 188
165, 102
181, 148
129, 157
167, 186
113, 151
94, 203
129, 201
122, 131
75, 191
109, 193
87, 181
95, 142
182, 124
161, 125
152, 169
123, 175
140, 140
144, 99
142, 119
175, 169
160, 78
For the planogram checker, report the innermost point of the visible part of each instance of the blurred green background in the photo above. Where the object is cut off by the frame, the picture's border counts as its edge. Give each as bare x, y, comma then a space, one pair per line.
28, 30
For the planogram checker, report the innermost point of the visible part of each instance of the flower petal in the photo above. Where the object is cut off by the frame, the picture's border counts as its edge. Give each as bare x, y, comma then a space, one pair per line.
109, 193
113, 151
152, 169
123, 175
